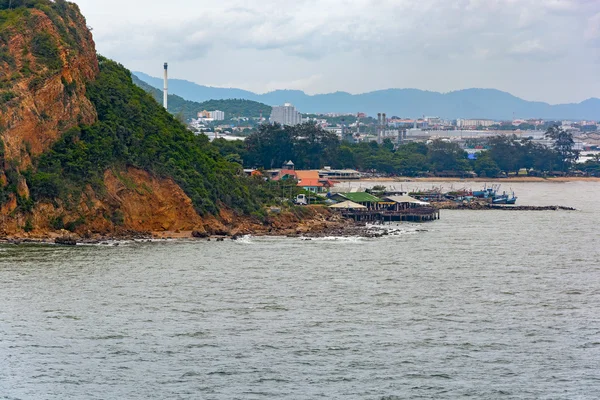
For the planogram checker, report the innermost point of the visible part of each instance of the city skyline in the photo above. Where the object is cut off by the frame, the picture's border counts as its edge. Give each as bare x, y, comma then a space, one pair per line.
537, 50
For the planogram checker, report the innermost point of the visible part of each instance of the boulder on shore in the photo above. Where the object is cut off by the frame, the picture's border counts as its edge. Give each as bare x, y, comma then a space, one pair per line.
65, 241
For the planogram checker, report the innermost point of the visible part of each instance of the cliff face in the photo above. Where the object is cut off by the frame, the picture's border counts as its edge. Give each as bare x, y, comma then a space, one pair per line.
48, 58
133, 201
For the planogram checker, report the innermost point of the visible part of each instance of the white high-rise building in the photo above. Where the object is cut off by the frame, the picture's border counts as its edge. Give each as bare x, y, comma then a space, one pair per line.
217, 115
286, 115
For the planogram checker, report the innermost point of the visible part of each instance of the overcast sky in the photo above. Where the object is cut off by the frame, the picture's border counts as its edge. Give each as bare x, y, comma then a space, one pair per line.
546, 50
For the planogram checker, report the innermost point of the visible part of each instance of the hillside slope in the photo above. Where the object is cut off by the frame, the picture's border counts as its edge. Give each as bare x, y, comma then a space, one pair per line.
469, 103
190, 109
85, 149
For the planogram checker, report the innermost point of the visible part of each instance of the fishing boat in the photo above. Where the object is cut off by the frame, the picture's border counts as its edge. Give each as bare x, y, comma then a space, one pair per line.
487, 192
504, 198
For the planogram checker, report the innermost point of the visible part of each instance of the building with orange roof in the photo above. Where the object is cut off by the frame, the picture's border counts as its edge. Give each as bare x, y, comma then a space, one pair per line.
311, 181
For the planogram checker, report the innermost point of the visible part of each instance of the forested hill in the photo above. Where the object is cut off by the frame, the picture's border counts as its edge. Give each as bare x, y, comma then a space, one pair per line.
190, 109
83, 148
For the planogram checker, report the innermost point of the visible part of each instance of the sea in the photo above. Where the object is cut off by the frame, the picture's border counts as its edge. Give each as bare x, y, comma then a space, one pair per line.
480, 305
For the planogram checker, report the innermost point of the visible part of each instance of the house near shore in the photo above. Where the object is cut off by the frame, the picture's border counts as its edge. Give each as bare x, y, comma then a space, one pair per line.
342, 174
348, 205
388, 203
309, 180
405, 202
312, 182
363, 198
288, 170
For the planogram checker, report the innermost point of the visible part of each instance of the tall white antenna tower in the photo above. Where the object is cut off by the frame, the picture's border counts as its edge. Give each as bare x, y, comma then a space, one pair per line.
166, 87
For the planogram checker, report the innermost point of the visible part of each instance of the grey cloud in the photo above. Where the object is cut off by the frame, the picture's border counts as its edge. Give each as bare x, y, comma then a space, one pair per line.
362, 32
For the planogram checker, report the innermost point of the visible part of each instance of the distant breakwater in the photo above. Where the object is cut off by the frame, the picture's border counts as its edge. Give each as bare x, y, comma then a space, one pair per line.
450, 205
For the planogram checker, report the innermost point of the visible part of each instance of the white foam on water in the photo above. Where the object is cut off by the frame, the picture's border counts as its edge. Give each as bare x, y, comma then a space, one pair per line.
346, 239
246, 239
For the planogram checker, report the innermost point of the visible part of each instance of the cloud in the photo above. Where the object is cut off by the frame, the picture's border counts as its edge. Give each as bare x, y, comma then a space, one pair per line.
374, 37
309, 28
533, 49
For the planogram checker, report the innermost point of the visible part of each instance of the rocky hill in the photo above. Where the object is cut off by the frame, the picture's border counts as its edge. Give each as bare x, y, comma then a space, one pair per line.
83, 149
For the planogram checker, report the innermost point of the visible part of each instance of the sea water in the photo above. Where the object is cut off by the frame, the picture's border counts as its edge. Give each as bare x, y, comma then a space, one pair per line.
481, 304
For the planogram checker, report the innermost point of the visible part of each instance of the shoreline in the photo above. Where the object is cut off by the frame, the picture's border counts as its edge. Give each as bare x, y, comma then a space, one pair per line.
524, 179
312, 222
306, 229
350, 230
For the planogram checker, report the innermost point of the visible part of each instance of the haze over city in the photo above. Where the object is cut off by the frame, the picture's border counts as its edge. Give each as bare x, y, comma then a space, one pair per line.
543, 50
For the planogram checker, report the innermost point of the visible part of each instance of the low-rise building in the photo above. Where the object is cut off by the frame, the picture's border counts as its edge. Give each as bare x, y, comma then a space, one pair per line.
474, 123
339, 173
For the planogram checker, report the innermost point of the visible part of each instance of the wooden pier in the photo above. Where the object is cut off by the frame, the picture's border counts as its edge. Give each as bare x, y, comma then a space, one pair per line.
418, 214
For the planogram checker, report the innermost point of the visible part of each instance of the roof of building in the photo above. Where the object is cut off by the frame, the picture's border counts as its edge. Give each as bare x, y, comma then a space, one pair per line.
406, 199
283, 173
307, 174
310, 183
347, 205
338, 171
360, 197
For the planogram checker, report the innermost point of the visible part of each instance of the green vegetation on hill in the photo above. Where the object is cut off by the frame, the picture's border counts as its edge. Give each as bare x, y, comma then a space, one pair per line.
238, 108
134, 130
6, 4
189, 109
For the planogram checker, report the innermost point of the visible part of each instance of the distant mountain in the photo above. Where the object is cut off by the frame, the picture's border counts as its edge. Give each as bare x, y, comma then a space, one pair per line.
190, 109
468, 103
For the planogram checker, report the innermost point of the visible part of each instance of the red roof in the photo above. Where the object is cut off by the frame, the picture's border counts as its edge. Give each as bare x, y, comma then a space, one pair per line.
310, 183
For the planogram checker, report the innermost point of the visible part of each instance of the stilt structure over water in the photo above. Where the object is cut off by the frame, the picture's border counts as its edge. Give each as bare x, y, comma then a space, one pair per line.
365, 207
421, 214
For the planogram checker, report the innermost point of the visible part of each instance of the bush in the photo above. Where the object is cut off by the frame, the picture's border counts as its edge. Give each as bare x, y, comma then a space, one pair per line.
43, 185
28, 225
57, 223
45, 50
73, 225
5, 97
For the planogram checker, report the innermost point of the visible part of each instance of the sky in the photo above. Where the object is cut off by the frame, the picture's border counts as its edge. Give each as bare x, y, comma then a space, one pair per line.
543, 50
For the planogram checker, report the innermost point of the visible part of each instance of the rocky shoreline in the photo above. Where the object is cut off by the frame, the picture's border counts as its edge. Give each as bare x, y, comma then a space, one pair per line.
307, 222
317, 223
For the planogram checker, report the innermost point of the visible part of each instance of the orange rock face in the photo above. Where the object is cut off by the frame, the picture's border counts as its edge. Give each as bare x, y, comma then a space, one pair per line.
149, 203
45, 102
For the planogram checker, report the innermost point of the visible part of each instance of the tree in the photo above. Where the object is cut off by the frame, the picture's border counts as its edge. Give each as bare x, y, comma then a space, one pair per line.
270, 146
313, 146
447, 156
485, 166
564, 145
506, 151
